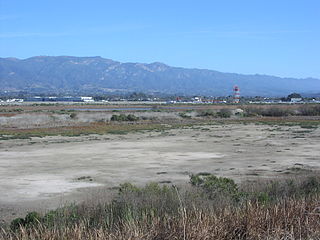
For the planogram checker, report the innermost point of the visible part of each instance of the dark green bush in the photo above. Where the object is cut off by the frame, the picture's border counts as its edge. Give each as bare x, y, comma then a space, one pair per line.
73, 115
224, 113
132, 117
17, 223
50, 217
215, 186
123, 117
128, 187
311, 185
31, 219
184, 115
206, 113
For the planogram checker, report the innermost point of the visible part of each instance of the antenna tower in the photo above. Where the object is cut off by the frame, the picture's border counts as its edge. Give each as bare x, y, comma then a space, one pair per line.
236, 94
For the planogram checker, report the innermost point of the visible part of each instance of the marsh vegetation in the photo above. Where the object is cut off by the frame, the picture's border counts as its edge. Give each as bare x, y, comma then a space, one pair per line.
210, 207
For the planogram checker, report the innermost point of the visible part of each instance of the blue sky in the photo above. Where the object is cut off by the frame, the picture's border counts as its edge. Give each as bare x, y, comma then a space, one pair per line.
276, 37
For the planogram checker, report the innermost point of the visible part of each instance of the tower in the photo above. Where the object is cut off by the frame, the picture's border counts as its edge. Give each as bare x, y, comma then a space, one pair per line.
236, 94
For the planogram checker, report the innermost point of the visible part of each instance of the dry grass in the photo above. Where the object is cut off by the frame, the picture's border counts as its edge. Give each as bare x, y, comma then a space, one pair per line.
289, 219
156, 212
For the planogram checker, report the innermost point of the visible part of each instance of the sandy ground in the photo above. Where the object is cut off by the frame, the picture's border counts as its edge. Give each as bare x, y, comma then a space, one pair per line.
44, 173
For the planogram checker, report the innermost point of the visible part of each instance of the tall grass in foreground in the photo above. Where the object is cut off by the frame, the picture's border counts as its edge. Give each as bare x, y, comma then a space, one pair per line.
212, 208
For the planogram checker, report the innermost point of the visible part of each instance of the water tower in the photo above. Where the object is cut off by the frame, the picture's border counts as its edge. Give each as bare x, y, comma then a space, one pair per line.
236, 94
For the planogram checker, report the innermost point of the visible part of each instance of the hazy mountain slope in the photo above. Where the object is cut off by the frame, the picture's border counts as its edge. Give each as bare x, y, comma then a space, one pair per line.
98, 74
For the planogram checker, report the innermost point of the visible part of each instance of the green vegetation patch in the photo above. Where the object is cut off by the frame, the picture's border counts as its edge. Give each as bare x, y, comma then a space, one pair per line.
124, 117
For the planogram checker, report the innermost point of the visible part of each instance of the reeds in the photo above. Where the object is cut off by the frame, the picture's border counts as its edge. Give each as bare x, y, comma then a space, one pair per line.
156, 212
289, 219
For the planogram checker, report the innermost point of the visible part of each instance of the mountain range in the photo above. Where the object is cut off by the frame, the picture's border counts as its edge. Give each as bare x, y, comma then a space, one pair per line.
67, 74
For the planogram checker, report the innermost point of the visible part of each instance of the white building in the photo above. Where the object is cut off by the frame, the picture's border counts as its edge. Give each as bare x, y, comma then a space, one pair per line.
87, 99
294, 100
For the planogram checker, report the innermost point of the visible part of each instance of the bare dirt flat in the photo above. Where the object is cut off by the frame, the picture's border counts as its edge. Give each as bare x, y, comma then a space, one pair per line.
44, 173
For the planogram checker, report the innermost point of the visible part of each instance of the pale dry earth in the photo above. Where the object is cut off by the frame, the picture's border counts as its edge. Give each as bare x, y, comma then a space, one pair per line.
43, 173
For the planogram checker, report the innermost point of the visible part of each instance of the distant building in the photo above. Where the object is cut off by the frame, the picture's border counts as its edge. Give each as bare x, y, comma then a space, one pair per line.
294, 100
59, 99
197, 99
14, 100
294, 97
87, 99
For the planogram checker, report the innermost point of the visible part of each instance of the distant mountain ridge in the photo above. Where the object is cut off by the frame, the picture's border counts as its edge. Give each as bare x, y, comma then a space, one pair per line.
96, 74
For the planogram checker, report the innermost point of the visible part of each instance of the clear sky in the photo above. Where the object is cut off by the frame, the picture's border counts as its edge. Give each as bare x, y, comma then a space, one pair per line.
276, 37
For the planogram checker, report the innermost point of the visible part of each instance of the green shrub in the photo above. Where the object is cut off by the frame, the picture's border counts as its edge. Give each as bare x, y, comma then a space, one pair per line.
206, 113
120, 117
50, 218
224, 113
215, 186
262, 197
17, 223
128, 187
31, 219
123, 117
184, 115
311, 185
132, 117
73, 115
